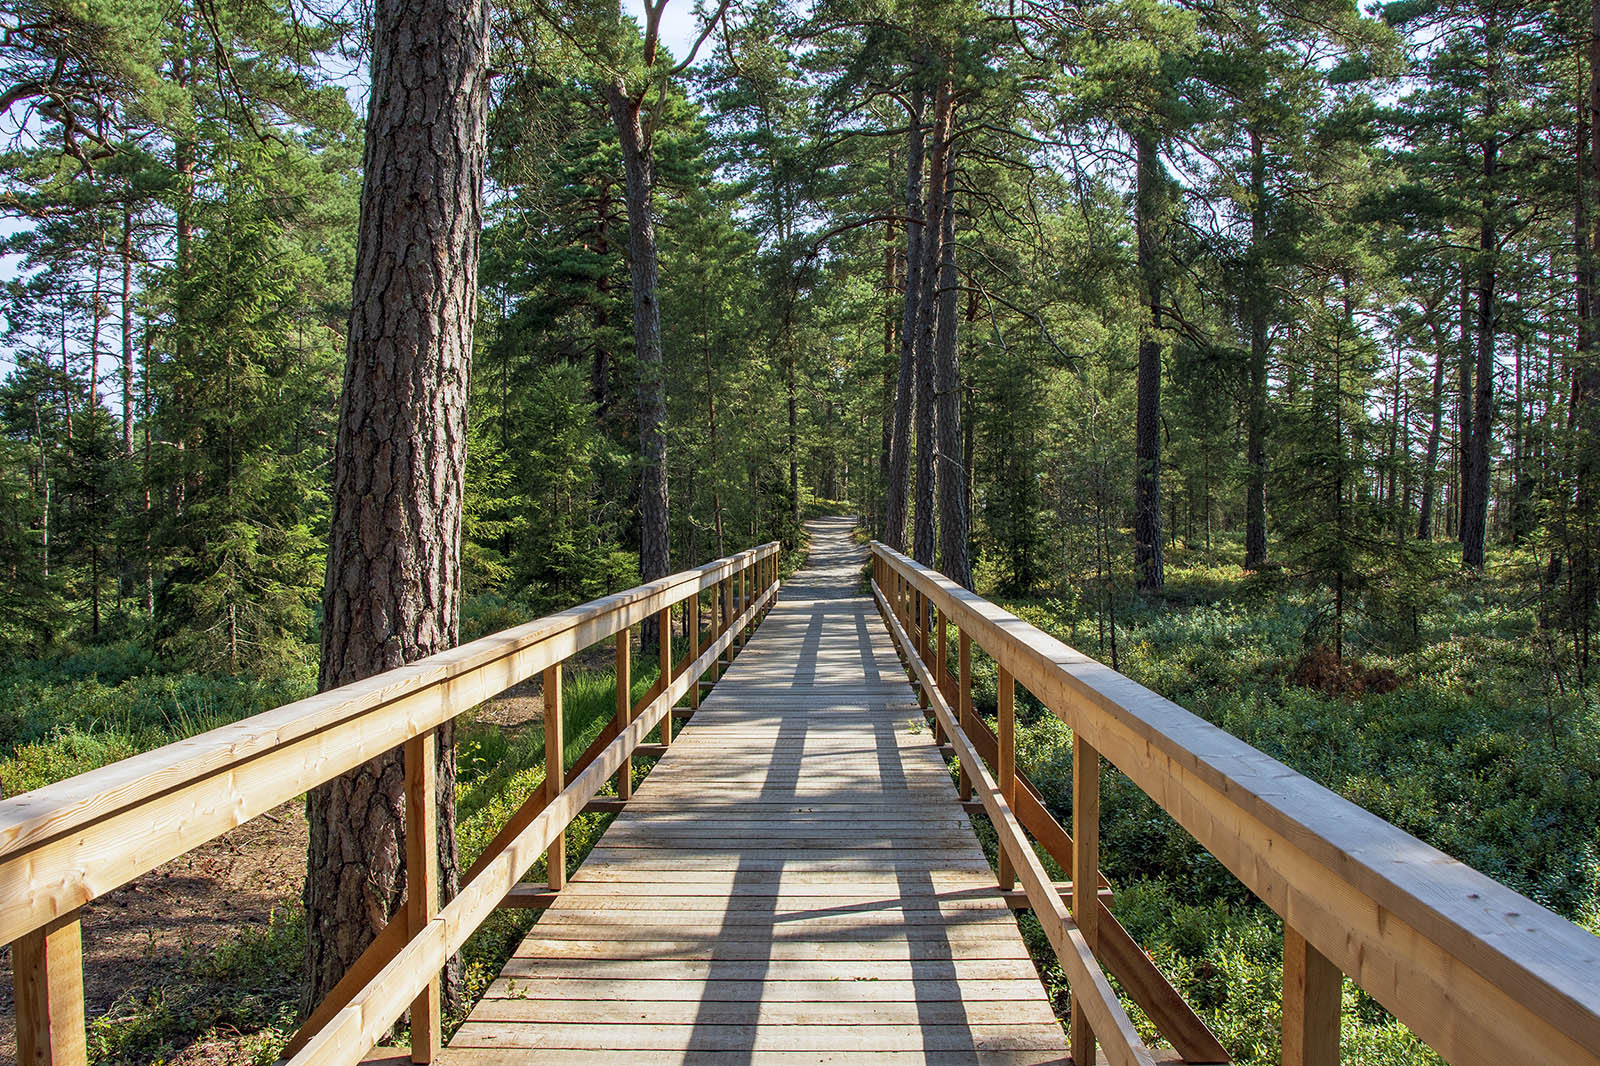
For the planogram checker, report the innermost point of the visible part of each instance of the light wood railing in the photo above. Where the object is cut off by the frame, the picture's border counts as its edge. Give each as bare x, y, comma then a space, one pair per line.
71, 842
1483, 975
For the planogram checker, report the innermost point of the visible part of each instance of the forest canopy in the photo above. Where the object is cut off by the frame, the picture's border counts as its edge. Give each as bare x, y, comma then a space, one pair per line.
1250, 346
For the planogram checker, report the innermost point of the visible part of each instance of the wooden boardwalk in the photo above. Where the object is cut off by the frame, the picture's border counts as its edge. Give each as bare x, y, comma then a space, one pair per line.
795, 882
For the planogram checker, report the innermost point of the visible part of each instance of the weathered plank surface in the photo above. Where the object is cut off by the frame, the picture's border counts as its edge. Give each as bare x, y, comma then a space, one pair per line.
795, 882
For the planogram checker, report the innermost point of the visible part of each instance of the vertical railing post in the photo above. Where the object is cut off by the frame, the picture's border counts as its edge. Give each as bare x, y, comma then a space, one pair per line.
664, 624
421, 761
1006, 761
1312, 986
919, 638
964, 664
47, 973
941, 667
555, 770
625, 707
1085, 875
694, 648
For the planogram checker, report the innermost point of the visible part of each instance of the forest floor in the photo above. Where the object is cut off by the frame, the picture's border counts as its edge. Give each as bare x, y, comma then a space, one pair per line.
197, 963
1455, 734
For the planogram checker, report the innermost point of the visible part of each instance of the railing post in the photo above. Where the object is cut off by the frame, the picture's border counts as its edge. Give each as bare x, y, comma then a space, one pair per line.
47, 971
964, 664
919, 639
694, 649
665, 626
555, 770
1085, 875
422, 876
1006, 761
941, 668
1312, 986
625, 708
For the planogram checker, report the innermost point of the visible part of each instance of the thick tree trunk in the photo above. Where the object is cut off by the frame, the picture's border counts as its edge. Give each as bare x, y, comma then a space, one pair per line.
393, 582
1147, 558
655, 557
922, 540
894, 527
952, 480
1255, 521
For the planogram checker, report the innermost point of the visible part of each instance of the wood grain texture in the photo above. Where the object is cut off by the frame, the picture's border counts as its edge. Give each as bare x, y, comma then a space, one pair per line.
1481, 973
795, 878
48, 968
73, 841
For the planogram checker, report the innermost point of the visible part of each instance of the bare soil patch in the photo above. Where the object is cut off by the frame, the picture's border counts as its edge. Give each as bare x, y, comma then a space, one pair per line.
142, 936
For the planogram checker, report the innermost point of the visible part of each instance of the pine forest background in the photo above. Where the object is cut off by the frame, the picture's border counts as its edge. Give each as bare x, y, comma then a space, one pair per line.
1250, 347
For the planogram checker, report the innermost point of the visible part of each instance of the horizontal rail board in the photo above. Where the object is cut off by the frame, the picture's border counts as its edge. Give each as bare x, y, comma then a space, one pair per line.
70, 842
1481, 973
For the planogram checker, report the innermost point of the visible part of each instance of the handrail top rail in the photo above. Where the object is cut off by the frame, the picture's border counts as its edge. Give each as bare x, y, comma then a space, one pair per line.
53, 810
1535, 955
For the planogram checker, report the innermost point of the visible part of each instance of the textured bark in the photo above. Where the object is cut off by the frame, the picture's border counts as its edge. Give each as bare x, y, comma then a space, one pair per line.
1147, 416
393, 584
886, 449
894, 527
1430, 462
655, 557
1475, 491
1255, 522
127, 333
952, 480
922, 540
1463, 398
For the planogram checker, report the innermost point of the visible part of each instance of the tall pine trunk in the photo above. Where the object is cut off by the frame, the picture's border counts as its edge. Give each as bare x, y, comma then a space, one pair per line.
922, 541
655, 557
1255, 519
952, 480
394, 550
1147, 415
894, 527
1430, 462
1475, 492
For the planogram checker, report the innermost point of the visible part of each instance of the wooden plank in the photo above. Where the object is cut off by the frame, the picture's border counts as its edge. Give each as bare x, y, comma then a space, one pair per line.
1006, 764
1085, 869
1430, 938
555, 771
795, 873
1312, 989
422, 880
359, 1025
699, 1057
47, 981
75, 840
1100, 1005
624, 672
748, 1037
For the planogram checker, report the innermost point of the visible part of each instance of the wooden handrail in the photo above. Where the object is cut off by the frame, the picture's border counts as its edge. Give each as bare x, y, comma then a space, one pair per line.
1480, 973
1092, 995
71, 842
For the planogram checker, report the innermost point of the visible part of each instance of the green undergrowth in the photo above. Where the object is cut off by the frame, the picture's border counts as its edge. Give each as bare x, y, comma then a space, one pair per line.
1472, 753
239, 1001
65, 716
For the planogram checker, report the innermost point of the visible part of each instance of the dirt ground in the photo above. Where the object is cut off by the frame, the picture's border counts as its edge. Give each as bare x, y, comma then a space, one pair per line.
139, 936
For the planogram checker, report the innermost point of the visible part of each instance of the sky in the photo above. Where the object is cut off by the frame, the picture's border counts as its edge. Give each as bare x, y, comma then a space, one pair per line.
678, 24
679, 27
